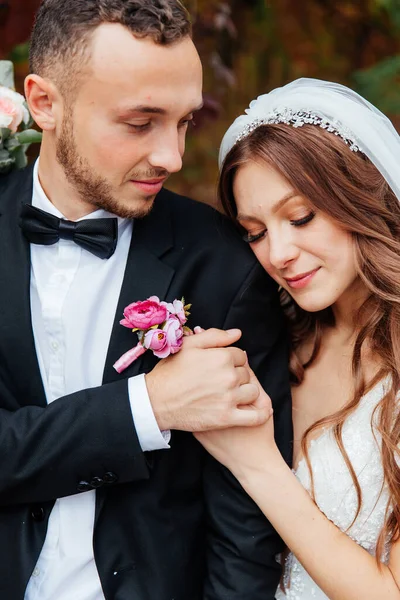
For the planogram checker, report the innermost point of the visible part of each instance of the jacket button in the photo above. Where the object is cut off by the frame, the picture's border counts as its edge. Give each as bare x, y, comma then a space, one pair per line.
110, 477
96, 482
37, 513
84, 486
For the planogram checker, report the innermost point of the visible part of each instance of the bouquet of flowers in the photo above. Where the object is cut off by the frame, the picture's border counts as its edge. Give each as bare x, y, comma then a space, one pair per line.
14, 114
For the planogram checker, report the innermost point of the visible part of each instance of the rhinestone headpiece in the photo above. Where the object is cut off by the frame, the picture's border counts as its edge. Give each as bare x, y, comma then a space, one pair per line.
298, 118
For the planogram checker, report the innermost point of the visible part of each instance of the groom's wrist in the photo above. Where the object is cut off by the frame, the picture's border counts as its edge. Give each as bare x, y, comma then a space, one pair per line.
162, 413
150, 435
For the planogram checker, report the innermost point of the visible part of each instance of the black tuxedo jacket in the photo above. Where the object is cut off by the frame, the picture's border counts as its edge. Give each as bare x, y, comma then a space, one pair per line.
170, 524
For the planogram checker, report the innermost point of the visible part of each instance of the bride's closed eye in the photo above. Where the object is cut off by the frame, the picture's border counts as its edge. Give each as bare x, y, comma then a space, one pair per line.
304, 220
250, 237
253, 237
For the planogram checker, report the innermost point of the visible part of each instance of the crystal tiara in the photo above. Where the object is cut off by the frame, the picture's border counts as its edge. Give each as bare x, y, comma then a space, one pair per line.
298, 118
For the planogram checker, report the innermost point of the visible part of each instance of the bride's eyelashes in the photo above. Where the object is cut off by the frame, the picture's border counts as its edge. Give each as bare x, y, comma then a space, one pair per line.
250, 238
304, 220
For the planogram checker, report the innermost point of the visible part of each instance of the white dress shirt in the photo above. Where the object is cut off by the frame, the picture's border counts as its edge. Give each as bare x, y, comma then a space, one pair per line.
74, 296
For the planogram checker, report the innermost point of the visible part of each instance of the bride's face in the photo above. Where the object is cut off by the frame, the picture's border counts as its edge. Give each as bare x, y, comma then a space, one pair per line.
303, 249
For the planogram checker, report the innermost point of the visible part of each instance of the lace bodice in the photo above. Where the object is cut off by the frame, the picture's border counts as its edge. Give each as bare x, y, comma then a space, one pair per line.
335, 493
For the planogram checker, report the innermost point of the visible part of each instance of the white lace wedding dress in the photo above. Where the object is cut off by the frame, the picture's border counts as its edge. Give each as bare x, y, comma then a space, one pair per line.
336, 495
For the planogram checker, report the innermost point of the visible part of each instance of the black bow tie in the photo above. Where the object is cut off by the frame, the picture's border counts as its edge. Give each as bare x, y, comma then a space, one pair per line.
98, 236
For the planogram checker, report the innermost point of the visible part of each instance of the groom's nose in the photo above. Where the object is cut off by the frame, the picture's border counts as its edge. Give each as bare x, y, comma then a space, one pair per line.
168, 151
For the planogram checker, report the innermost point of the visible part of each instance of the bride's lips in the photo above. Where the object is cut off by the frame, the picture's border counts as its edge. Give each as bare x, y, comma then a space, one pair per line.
150, 186
300, 281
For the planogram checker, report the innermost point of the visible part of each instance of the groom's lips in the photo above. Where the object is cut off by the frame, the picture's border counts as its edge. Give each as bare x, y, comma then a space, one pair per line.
150, 186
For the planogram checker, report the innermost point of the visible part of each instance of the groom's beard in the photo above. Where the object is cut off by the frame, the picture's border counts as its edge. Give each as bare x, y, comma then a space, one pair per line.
91, 187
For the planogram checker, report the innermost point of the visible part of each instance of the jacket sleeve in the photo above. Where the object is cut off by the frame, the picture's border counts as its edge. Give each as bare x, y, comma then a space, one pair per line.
48, 451
242, 545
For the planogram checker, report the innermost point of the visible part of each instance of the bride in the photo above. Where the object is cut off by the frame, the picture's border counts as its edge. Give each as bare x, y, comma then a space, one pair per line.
311, 175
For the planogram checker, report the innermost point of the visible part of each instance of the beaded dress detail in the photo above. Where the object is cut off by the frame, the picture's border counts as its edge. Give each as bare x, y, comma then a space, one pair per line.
335, 493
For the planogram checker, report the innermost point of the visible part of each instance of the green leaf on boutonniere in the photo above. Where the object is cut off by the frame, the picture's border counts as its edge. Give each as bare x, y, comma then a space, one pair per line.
29, 136
6, 162
12, 144
20, 157
5, 133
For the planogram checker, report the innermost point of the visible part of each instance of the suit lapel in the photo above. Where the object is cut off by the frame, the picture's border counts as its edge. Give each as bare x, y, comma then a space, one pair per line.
17, 346
145, 275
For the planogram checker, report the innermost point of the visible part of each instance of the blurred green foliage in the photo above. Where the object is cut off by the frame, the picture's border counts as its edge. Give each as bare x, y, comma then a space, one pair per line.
19, 54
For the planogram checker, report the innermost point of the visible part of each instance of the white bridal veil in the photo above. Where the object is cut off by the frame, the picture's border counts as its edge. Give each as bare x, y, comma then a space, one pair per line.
349, 113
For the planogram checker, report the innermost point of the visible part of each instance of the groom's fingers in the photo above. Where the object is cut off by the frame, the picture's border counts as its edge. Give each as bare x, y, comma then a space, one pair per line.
258, 408
212, 338
252, 397
243, 375
251, 415
208, 385
263, 396
247, 393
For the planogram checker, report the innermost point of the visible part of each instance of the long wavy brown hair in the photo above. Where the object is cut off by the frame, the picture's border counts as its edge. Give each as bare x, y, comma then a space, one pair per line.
347, 187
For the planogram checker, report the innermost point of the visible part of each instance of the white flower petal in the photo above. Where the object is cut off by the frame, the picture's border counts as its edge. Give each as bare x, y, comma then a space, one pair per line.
5, 121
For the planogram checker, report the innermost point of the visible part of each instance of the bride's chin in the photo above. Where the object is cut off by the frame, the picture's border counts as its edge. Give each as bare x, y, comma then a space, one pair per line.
311, 304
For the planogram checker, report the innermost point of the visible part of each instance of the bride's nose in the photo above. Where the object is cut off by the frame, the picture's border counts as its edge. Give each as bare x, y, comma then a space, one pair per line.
282, 249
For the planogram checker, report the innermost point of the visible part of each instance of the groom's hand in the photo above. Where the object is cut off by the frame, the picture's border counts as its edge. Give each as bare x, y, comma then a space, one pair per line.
207, 385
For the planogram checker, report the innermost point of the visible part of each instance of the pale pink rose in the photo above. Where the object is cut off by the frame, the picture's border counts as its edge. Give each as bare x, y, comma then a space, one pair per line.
144, 314
12, 109
176, 308
165, 341
155, 339
174, 331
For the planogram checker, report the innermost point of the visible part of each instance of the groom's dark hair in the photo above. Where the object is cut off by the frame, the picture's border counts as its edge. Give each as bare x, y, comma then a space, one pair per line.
60, 40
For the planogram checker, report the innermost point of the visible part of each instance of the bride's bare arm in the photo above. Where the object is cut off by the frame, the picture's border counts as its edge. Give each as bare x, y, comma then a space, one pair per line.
338, 565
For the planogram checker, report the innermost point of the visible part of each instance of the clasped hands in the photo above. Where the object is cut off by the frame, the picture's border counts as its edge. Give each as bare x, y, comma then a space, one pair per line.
208, 388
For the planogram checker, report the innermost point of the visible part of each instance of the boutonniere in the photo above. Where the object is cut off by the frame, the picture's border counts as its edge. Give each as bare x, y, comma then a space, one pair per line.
14, 115
160, 327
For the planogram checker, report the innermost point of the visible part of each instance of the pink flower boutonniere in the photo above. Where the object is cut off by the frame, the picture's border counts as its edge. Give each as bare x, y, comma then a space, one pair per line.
160, 327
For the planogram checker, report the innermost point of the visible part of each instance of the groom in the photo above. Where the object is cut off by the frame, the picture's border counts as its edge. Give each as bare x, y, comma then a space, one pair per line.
104, 492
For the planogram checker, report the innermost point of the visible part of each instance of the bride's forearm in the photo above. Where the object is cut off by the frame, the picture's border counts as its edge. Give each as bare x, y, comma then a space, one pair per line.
339, 566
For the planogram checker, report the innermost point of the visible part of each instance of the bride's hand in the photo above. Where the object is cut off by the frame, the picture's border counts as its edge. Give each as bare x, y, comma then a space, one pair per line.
241, 449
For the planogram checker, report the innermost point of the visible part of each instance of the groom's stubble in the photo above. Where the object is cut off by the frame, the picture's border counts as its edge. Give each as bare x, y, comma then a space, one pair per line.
91, 186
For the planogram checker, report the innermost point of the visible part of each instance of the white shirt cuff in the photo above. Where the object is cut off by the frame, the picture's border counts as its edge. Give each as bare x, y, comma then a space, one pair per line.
149, 434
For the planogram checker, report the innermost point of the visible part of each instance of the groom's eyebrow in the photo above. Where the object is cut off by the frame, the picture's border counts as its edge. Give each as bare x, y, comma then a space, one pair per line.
141, 108
154, 110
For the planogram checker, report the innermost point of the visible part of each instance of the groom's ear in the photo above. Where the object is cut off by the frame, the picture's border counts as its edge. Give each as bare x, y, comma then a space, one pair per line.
44, 101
